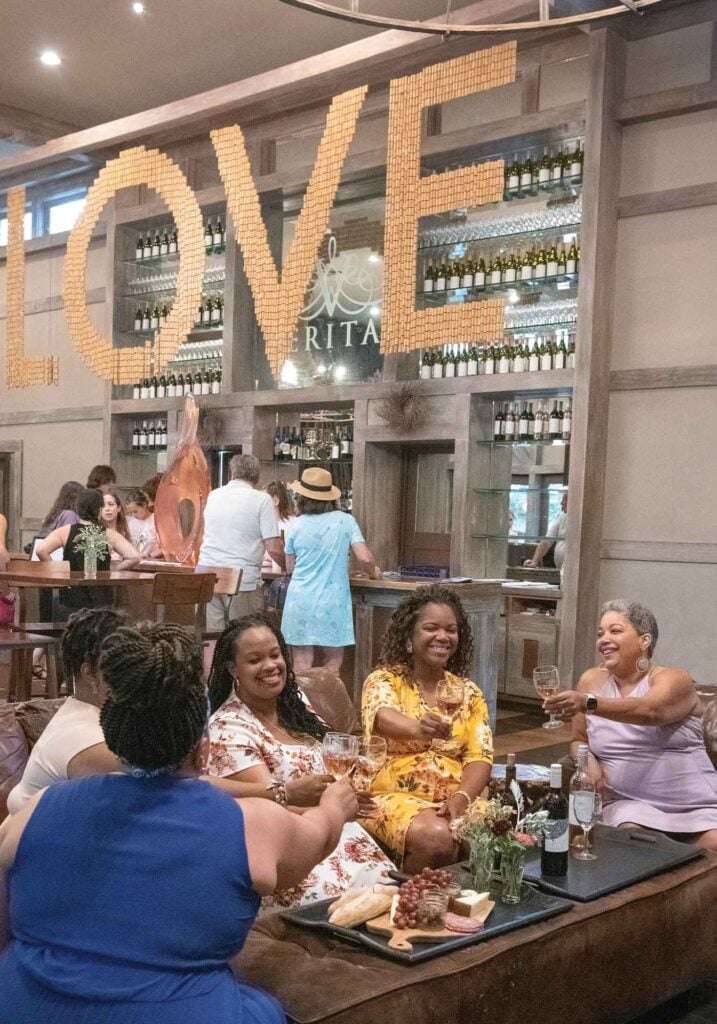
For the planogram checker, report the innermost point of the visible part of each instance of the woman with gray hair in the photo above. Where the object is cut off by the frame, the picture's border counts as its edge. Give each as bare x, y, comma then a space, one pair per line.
643, 724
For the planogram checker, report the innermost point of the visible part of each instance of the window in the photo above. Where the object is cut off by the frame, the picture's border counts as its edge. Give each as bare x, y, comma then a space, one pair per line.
61, 216
3, 227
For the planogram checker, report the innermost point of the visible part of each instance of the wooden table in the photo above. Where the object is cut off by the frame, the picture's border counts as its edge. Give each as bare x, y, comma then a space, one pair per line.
482, 601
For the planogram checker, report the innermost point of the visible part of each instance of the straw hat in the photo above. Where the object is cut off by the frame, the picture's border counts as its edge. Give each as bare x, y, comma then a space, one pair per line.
317, 484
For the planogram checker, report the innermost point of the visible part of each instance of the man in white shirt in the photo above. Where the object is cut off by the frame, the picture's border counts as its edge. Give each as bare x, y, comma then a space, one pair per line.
240, 525
555, 529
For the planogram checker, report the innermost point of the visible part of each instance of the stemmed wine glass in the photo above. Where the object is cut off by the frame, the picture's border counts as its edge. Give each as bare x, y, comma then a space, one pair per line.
450, 694
372, 753
547, 683
340, 752
588, 811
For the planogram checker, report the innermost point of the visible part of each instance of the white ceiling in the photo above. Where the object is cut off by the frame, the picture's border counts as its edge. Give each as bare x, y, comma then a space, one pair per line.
116, 62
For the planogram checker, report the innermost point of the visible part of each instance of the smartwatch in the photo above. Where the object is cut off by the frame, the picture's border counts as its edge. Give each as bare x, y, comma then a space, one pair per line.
591, 703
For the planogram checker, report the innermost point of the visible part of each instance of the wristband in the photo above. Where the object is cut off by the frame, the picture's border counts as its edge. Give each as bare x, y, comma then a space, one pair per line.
278, 792
462, 792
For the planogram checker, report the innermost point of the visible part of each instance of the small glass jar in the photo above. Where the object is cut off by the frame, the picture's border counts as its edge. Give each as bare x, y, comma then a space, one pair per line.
432, 909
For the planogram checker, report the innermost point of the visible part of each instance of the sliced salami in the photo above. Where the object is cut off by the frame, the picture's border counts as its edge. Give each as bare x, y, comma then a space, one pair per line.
456, 923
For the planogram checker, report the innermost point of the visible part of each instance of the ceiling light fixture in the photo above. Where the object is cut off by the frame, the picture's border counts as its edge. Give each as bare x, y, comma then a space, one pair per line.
445, 27
138, 7
51, 58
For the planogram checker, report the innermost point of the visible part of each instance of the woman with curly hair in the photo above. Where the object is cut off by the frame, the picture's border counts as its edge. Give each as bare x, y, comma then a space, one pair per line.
266, 741
435, 766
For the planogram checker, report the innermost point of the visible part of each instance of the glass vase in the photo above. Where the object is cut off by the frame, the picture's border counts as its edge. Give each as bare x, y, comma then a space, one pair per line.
480, 863
90, 559
512, 865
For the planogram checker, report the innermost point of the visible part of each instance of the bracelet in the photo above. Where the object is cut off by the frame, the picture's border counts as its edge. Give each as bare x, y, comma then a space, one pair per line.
278, 790
462, 792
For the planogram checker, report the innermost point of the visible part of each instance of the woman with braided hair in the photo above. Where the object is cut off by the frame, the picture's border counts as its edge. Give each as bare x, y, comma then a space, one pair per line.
135, 924
73, 743
435, 766
266, 741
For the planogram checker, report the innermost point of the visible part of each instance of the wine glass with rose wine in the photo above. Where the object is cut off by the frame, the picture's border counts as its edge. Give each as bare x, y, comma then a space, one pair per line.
371, 759
547, 683
450, 694
340, 752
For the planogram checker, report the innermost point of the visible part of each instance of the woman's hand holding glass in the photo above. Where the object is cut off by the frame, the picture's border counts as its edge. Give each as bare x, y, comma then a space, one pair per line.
342, 796
307, 790
432, 727
371, 759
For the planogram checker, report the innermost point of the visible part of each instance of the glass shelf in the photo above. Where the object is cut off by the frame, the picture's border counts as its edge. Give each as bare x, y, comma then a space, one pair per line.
169, 258
515, 538
519, 489
569, 281
494, 241
142, 451
569, 185
303, 462
196, 332
538, 328
525, 444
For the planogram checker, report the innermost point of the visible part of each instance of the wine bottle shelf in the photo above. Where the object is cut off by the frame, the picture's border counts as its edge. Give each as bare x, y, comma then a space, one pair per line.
307, 462
494, 241
141, 451
553, 283
168, 258
568, 185
515, 538
518, 489
524, 444
197, 332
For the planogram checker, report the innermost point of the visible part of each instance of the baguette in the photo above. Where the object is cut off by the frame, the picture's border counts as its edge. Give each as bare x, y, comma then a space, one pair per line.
363, 906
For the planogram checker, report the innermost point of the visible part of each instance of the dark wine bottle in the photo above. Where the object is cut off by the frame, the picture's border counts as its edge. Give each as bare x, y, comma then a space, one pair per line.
506, 797
554, 855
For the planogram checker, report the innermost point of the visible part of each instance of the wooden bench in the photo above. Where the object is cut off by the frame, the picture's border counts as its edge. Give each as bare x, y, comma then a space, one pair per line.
21, 643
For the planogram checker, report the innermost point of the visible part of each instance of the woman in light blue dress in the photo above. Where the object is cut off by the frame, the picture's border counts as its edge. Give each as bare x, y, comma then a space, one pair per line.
317, 619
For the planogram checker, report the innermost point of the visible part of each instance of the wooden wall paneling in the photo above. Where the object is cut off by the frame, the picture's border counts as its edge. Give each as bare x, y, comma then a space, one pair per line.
65, 414
382, 500
592, 373
686, 552
659, 377
14, 517
464, 435
668, 200
686, 99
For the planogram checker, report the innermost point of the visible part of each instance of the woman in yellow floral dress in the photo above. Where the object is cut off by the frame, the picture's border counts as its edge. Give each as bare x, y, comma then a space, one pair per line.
435, 768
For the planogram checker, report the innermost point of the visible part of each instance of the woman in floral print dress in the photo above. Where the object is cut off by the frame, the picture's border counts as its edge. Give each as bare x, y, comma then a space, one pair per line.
435, 768
267, 741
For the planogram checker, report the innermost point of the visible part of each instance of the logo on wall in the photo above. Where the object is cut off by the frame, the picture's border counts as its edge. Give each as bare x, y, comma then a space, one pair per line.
343, 306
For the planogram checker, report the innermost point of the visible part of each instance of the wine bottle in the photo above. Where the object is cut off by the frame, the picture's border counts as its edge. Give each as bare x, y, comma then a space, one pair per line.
544, 169
450, 367
509, 418
473, 362
504, 359
164, 315
576, 162
147, 247
555, 427
135, 438
479, 274
462, 365
146, 318
208, 237
154, 319
570, 360
526, 266
200, 315
426, 361
156, 245
561, 354
531, 422
567, 421
217, 382
218, 236
335, 448
571, 262
523, 434
207, 313
534, 356
164, 245
509, 270
293, 445
137, 390
345, 444
468, 274
143, 437
498, 424
545, 353
428, 277
562, 262
540, 267
526, 176
138, 319
489, 365
153, 387
439, 285
174, 243
520, 362
454, 277
206, 383
216, 316
495, 271
554, 854
506, 797
512, 177
556, 167
437, 368
163, 436
197, 383
151, 436
552, 261
162, 387
582, 788
172, 386
139, 249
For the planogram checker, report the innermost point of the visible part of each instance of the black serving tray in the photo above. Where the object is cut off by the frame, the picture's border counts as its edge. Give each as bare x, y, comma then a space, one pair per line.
535, 906
624, 857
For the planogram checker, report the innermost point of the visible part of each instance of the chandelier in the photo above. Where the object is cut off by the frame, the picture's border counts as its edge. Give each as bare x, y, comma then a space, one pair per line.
591, 10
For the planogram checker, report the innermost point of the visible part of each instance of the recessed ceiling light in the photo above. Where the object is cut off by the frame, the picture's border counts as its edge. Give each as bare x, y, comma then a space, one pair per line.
138, 7
51, 58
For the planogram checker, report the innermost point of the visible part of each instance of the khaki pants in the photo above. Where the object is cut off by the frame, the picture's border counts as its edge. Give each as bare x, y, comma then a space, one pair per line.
222, 609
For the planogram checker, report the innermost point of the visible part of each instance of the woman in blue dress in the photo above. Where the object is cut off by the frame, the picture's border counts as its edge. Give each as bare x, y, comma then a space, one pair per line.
317, 620
124, 897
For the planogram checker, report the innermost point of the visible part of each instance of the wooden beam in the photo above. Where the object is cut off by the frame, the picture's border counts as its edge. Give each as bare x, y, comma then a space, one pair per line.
29, 129
687, 552
303, 82
588, 454
656, 378
668, 200
688, 99
81, 413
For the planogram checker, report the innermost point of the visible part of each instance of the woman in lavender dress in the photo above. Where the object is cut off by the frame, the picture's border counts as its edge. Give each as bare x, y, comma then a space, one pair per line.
643, 724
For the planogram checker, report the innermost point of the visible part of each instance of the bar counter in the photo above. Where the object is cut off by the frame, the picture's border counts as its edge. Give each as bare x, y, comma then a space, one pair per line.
374, 600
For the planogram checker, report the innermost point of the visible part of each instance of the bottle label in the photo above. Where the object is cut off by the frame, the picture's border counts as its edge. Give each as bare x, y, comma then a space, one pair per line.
581, 806
425, 372
428, 285
495, 277
534, 363
552, 268
509, 275
556, 836
472, 367
544, 174
539, 270
437, 370
479, 279
463, 369
450, 369
526, 273
570, 267
526, 179
554, 425
467, 281
441, 284
576, 169
514, 181
454, 281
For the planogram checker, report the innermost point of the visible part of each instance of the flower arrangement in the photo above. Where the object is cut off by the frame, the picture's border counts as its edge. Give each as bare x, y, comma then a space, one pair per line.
491, 828
92, 541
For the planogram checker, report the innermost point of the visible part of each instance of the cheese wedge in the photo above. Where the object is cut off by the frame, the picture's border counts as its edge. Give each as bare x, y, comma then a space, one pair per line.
469, 903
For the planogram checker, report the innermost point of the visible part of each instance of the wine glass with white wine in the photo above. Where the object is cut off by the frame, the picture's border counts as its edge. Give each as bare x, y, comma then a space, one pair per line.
547, 683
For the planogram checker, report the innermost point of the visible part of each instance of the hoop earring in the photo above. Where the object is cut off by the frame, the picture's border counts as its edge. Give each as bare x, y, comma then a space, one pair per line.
642, 664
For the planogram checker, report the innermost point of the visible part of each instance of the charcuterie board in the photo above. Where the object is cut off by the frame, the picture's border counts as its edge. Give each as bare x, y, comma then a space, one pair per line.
535, 906
404, 938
